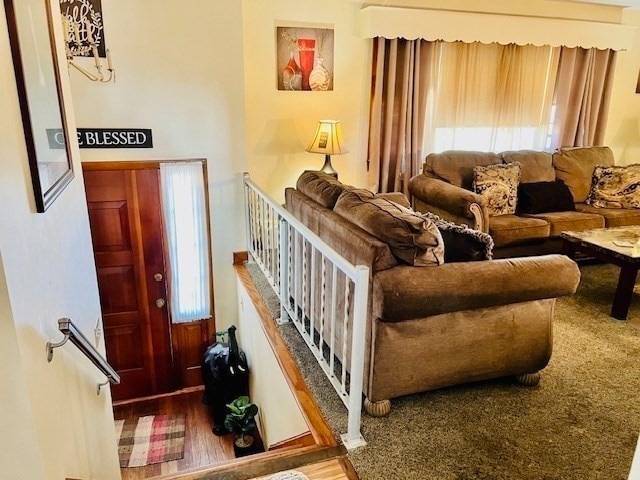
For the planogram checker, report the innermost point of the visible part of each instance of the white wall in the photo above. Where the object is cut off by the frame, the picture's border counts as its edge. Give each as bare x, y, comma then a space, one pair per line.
179, 72
279, 413
49, 272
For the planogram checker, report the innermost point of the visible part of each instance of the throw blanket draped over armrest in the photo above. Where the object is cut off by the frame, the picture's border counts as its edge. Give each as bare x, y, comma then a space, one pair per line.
404, 293
456, 200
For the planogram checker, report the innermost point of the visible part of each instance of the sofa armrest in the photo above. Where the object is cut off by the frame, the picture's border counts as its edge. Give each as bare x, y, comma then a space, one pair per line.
404, 292
458, 201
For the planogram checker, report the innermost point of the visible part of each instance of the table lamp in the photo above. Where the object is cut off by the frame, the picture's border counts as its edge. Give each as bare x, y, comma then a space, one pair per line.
328, 140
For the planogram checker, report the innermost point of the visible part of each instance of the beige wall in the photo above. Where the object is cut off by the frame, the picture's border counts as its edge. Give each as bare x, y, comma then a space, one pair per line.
280, 124
279, 413
623, 126
179, 72
49, 273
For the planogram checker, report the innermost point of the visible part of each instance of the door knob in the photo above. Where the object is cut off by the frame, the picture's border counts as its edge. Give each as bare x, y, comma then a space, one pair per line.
158, 277
160, 302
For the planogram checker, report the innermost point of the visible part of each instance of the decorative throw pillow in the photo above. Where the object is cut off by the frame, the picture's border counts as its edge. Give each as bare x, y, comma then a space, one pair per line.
462, 243
411, 238
499, 184
543, 197
615, 187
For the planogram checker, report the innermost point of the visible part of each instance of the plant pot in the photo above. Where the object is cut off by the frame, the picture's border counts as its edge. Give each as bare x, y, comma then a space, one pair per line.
244, 445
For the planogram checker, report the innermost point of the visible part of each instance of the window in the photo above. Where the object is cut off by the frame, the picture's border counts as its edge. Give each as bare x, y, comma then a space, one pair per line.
490, 97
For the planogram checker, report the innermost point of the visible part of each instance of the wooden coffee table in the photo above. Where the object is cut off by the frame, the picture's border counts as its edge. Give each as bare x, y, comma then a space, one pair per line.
617, 245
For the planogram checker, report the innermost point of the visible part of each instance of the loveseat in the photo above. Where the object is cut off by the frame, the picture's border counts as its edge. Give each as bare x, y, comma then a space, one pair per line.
445, 187
444, 322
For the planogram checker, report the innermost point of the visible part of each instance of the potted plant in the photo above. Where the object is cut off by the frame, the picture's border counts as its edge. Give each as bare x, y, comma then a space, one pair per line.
241, 421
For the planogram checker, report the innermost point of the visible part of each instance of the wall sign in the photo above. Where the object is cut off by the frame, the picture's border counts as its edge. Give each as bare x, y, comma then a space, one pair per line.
105, 138
78, 13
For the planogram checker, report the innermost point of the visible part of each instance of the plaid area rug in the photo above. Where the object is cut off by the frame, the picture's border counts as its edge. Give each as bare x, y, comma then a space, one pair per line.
153, 439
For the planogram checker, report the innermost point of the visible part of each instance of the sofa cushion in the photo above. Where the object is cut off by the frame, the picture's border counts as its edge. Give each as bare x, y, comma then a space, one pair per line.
499, 184
615, 187
321, 187
462, 243
576, 221
536, 166
512, 229
541, 197
349, 240
456, 166
396, 197
574, 166
412, 239
613, 217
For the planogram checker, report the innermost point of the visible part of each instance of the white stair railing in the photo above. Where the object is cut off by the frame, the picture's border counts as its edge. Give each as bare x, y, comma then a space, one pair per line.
324, 296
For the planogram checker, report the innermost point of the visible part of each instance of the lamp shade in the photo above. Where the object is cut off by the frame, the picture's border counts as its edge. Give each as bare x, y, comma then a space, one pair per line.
328, 139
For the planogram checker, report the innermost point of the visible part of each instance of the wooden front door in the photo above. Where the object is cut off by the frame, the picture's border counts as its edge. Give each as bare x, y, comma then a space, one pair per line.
127, 232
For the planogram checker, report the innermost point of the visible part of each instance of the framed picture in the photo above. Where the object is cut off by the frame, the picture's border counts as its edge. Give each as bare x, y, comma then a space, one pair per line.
41, 101
304, 58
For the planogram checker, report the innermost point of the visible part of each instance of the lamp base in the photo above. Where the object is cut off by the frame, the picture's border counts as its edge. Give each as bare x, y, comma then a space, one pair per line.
328, 168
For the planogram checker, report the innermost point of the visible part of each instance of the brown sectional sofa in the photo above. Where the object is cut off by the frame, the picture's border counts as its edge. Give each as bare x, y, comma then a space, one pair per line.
445, 188
440, 325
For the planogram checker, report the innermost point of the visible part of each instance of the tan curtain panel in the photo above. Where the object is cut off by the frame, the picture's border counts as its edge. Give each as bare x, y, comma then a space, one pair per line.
582, 95
401, 70
491, 97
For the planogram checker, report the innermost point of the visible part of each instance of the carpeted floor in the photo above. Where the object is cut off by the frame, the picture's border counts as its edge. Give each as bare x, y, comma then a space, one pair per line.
581, 422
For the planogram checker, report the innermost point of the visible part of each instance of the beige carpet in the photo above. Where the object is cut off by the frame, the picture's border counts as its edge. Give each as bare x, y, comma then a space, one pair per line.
581, 422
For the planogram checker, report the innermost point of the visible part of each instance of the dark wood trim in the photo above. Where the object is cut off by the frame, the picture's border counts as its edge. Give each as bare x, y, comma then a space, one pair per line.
303, 440
260, 464
121, 165
212, 319
240, 257
119, 403
347, 466
135, 164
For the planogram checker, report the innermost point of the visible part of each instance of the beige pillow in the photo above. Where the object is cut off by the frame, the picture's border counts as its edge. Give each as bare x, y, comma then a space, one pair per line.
499, 184
615, 187
412, 239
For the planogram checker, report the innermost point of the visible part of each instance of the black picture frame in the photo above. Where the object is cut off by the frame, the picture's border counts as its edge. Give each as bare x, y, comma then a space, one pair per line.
37, 72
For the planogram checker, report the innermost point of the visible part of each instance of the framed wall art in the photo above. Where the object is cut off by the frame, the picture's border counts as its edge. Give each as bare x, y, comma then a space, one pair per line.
77, 13
304, 58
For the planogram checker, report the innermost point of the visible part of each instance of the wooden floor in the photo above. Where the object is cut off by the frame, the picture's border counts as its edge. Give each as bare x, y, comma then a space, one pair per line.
211, 457
202, 448
334, 469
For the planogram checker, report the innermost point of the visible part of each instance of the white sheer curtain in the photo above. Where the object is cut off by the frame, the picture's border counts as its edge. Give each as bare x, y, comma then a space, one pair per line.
490, 97
184, 207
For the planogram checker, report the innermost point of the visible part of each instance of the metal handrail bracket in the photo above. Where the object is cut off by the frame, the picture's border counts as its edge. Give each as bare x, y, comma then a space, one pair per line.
71, 332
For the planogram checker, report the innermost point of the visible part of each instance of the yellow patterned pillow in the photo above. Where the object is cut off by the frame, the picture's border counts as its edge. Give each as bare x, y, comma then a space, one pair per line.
615, 187
499, 184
